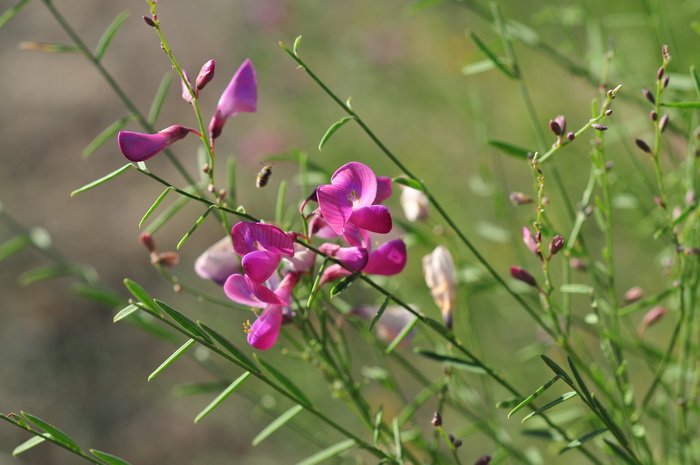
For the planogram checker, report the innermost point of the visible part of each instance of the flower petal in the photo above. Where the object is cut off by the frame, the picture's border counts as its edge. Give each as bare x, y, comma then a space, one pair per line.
357, 237
389, 259
375, 218
358, 178
218, 262
335, 206
241, 95
333, 273
249, 237
186, 96
264, 331
139, 147
303, 259
242, 290
354, 258
384, 189
260, 264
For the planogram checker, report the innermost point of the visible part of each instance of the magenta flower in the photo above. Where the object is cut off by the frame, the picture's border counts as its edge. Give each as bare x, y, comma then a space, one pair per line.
350, 197
261, 246
139, 147
241, 95
243, 290
218, 262
264, 331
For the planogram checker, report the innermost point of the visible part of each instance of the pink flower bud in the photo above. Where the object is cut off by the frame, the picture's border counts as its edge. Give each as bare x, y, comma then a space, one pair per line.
651, 317
523, 275
241, 95
556, 245
633, 294
148, 242
140, 147
206, 74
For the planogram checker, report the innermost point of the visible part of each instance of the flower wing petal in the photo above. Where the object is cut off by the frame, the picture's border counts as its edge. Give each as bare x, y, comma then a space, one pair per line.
263, 333
359, 178
389, 259
375, 218
260, 265
242, 290
335, 206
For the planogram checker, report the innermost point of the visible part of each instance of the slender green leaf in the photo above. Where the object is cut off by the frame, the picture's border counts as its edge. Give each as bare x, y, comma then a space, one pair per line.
15, 420
510, 149
185, 323
279, 206
28, 444
13, 246
378, 425
56, 433
317, 283
576, 289
221, 397
557, 401
620, 452
109, 34
379, 313
548, 434
683, 105
98, 294
177, 354
48, 47
295, 47
109, 458
409, 182
344, 283
161, 93
107, 134
452, 361
277, 424
141, 295
12, 11
478, 67
405, 331
331, 130
126, 311
48, 272
491, 56
438, 326
160, 198
508, 403
557, 369
579, 380
231, 348
534, 395
398, 445
284, 381
577, 442
189, 389
328, 452
194, 227
102, 180
164, 217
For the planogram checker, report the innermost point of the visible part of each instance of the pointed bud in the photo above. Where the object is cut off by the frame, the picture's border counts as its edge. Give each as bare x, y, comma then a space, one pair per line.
148, 242
660, 72
664, 82
599, 127
648, 95
642, 145
555, 128
608, 112
556, 245
149, 21
140, 147
206, 74
437, 420
522, 275
663, 122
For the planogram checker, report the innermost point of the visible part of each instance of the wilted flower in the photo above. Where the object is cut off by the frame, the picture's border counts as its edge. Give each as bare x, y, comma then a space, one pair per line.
414, 203
439, 273
218, 262
241, 95
139, 147
350, 198
261, 246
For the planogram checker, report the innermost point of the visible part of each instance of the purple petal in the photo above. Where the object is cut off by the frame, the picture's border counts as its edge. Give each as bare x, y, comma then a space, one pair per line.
260, 264
263, 333
384, 189
285, 288
242, 290
354, 258
139, 147
303, 259
335, 206
318, 227
387, 260
357, 237
241, 95
218, 262
333, 273
358, 183
249, 237
375, 218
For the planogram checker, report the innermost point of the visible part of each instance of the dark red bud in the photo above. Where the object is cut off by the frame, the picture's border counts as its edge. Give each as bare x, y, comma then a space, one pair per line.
664, 83
642, 145
148, 242
660, 72
485, 460
554, 127
571, 136
648, 95
522, 275
653, 115
556, 245
608, 112
149, 21
599, 127
663, 122
437, 420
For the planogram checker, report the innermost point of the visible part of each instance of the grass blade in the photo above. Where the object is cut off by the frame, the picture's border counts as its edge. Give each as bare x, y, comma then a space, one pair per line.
102, 180
329, 452
221, 397
379, 314
491, 56
401, 336
107, 134
534, 395
177, 354
109, 34
286, 382
194, 227
558, 370
577, 442
164, 217
510, 149
126, 311
12, 11
109, 458
277, 424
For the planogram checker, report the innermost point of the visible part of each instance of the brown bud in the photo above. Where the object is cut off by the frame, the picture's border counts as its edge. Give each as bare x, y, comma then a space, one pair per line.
642, 145
599, 127
660, 72
692, 251
211, 188
570, 136
437, 420
168, 259
523, 275
653, 115
148, 242
206, 168
609, 165
149, 21
648, 95
664, 82
663, 122
608, 112
554, 127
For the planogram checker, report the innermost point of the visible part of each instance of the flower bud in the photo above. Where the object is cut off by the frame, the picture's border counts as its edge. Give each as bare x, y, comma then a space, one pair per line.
599, 127
148, 242
660, 72
663, 122
439, 273
437, 420
556, 245
608, 112
523, 275
149, 21
206, 74
651, 317
570, 136
531, 242
648, 95
485, 460
168, 259
653, 115
218, 262
664, 53
642, 145
664, 82
633, 294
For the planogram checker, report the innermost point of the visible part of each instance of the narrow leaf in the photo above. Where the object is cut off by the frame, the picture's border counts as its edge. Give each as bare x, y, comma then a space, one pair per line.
491, 56
548, 434
452, 361
48, 272
557, 369
161, 93
189, 389
577, 442
177, 354
141, 295
405, 331
379, 314
194, 227
378, 424
426, 394
160, 198
107, 134
28, 444
398, 445
102, 180
56, 433
184, 322
277, 424
478, 67
343, 284
510, 149
579, 380
286, 382
13, 246
98, 294
12, 11
109, 458
279, 206
334, 127
684, 105
164, 217
508, 403
409, 182
557, 401
109, 34
576, 288
620, 452
438, 326
221, 397
534, 395
126, 311
230, 348
329, 452
295, 47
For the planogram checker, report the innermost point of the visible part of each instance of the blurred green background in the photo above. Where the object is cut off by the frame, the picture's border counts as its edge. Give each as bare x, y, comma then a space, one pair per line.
63, 359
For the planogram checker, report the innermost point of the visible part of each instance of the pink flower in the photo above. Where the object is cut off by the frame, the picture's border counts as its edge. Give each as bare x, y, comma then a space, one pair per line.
350, 198
139, 147
218, 262
264, 331
261, 246
241, 95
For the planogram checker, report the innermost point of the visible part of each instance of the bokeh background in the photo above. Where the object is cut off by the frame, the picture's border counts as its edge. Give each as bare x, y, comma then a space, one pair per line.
62, 358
